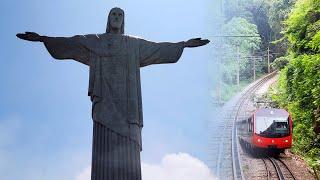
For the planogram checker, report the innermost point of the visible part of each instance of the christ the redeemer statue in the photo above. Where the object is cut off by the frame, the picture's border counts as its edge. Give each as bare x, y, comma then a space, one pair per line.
115, 60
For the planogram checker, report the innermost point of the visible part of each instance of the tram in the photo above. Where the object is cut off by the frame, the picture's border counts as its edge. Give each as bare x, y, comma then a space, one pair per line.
266, 129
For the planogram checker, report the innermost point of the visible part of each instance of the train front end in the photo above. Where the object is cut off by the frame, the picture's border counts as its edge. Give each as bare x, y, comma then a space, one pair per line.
272, 129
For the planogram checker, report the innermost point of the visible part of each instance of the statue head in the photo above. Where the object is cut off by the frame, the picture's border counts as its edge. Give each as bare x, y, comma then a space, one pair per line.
115, 21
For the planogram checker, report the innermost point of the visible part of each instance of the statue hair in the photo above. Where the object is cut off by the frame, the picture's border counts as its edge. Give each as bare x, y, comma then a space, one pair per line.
108, 29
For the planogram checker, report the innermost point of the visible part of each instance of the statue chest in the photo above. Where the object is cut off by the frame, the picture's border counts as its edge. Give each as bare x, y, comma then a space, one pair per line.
117, 67
114, 72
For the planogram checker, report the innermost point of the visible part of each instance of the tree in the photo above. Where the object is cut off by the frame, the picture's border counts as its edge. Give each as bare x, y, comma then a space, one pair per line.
303, 27
243, 45
278, 12
298, 88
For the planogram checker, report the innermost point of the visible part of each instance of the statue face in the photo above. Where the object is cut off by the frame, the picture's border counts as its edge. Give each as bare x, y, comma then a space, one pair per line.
116, 18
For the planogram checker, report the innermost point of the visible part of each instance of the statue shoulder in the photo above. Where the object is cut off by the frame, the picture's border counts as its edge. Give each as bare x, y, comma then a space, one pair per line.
85, 38
92, 36
133, 37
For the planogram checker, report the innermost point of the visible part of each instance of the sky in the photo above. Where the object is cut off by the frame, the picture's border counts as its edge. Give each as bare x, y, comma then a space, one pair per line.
45, 113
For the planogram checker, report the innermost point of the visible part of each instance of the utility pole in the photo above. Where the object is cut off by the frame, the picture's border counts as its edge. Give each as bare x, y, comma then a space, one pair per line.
254, 69
268, 58
254, 66
238, 50
238, 69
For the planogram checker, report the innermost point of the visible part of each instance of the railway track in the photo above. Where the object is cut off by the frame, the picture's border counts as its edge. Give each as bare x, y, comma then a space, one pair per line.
275, 167
225, 160
236, 163
279, 169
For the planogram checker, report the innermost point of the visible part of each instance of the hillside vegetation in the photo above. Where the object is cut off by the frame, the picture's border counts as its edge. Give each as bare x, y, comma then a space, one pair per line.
289, 33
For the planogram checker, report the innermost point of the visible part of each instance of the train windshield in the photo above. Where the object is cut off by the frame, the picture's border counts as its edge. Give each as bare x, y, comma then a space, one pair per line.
272, 126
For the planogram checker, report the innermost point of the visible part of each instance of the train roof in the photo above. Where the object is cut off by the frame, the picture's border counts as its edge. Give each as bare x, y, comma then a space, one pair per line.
271, 112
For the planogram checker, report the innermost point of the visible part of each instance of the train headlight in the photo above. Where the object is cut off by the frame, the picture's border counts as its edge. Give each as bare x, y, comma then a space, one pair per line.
286, 140
259, 140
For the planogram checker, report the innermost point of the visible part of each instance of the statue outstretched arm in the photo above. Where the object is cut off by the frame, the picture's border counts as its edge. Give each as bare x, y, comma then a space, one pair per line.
165, 52
62, 47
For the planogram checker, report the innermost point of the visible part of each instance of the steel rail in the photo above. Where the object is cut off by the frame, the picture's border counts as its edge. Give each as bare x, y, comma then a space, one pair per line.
285, 165
236, 164
267, 169
277, 167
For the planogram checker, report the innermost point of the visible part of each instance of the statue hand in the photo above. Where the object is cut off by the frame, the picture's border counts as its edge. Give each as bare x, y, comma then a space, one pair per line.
196, 42
30, 36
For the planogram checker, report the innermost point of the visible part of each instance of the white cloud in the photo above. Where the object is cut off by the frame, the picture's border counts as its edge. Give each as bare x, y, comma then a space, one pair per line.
176, 167
85, 174
172, 167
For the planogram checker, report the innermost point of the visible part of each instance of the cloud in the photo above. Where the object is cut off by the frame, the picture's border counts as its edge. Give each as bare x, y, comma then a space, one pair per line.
176, 167
172, 167
85, 174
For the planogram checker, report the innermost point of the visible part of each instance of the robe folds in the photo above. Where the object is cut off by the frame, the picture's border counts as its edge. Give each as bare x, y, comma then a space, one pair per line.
114, 80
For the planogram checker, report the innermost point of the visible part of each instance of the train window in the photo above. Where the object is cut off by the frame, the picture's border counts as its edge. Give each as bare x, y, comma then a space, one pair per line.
272, 126
249, 125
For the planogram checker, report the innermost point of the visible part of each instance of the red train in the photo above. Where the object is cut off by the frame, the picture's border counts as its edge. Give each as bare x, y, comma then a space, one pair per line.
267, 129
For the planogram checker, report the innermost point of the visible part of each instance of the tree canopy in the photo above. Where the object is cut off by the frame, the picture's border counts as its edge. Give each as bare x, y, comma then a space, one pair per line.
298, 88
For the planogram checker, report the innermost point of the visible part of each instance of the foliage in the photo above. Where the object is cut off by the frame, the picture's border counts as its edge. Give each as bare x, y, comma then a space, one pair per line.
238, 9
298, 87
268, 16
298, 90
255, 12
245, 17
277, 14
241, 26
280, 63
229, 90
243, 45
303, 26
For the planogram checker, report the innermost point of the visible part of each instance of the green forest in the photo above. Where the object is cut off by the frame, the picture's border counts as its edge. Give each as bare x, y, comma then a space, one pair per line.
287, 34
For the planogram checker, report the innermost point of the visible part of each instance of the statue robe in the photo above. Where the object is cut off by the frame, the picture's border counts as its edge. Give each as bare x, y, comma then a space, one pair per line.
115, 91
